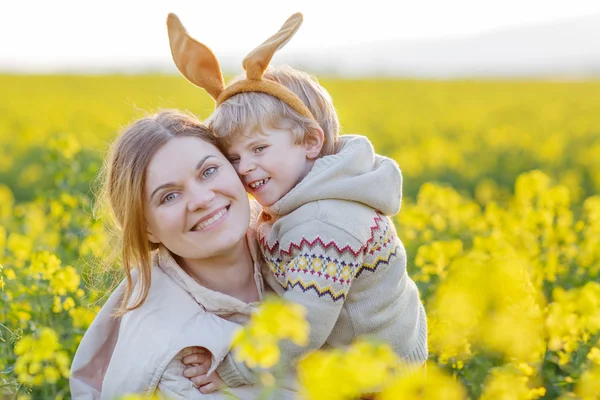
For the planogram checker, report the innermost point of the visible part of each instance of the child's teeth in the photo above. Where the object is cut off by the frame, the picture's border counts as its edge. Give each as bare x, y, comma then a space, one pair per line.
256, 184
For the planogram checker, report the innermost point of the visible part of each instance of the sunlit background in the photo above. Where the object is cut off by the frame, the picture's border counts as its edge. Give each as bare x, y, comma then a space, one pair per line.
407, 38
489, 107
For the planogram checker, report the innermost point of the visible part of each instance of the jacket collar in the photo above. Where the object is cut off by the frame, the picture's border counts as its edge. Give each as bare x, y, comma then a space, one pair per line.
210, 300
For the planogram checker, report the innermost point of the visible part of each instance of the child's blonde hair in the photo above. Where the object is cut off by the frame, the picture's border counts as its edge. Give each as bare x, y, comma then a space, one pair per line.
257, 110
123, 190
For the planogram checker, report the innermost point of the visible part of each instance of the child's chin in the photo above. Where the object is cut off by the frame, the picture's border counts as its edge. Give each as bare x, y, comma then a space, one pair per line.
265, 202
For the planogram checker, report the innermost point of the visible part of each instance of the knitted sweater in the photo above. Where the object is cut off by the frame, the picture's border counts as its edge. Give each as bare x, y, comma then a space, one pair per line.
330, 246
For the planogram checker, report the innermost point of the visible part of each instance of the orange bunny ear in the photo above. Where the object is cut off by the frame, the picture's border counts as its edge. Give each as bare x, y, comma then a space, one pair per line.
257, 61
195, 61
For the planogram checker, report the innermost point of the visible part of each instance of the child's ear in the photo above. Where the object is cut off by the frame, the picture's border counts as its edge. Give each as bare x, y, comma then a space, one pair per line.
314, 143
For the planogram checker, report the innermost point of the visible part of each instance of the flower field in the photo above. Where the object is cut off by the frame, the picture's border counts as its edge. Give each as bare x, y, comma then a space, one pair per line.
500, 219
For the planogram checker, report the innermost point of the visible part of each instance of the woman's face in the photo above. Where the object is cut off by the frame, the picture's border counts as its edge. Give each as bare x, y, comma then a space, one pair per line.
196, 205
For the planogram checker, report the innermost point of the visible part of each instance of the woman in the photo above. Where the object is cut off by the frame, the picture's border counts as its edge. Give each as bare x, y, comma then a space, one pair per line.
190, 262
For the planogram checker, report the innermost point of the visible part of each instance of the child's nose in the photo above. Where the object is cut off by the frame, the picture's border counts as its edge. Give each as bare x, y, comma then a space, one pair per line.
246, 165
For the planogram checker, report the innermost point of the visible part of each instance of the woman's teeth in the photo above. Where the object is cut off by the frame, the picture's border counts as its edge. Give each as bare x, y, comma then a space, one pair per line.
258, 184
211, 220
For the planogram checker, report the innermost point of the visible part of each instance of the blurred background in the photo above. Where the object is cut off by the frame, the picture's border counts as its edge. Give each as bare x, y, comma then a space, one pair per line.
432, 39
489, 107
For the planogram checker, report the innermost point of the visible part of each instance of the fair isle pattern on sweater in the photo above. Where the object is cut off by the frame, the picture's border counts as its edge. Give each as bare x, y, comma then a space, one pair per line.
325, 268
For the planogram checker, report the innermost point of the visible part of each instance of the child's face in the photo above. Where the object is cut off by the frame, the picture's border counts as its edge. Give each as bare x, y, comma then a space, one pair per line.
269, 163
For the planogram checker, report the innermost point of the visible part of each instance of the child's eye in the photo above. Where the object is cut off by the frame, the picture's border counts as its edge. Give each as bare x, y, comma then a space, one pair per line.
234, 160
259, 149
209, 172
169, 197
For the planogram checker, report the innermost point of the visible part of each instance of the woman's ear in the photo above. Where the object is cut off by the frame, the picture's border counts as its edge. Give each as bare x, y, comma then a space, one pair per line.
313, 143
151, 237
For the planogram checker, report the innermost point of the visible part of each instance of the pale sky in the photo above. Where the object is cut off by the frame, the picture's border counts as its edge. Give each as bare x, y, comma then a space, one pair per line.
53, 34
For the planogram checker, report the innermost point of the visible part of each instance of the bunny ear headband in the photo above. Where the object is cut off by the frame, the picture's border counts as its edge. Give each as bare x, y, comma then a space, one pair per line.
200, 66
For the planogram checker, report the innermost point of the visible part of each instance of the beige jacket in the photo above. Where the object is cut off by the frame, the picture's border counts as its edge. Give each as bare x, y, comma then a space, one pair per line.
141, 352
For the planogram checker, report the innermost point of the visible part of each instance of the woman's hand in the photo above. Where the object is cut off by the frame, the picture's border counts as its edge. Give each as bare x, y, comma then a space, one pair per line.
197, 362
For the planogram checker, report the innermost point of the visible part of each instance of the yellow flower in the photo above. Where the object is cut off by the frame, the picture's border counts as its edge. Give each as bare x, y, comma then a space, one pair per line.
51, 374
6, 203
66, 145
65, 281
256, 343
24, 345
20, 246
34, 367
46, 345
283, 320
588, 387
255, 353
68, 304
44, 265
82, 317
594, 355
370, 364
433, 259
322, 377
10, 274
430, 384
509, 382
40, 358
2, 240
365, 367
489, 302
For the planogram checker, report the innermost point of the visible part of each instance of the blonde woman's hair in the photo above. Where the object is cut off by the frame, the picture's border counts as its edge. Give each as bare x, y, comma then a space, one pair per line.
256, 110
123, 180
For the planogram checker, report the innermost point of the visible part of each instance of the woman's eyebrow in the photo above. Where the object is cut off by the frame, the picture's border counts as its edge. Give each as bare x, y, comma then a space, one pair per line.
161, 187
203, 160
198, 166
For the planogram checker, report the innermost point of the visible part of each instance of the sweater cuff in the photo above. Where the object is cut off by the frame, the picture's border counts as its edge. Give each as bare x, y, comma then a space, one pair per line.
234, 374
419, 355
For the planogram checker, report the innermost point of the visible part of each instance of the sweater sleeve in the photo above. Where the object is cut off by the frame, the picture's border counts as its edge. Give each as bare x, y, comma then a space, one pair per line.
234, 373
316, 272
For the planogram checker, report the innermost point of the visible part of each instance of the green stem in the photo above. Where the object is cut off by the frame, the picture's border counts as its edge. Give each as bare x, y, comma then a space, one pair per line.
229, 394
5, 327
16, 396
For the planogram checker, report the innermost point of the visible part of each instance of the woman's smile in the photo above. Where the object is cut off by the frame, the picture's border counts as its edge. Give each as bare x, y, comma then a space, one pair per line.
212, 220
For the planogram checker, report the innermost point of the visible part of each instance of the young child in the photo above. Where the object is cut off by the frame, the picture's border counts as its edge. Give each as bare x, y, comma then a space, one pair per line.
325, 230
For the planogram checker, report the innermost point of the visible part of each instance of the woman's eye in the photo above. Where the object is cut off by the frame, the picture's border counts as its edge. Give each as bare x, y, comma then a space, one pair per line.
169, 197
259, 149
209, 171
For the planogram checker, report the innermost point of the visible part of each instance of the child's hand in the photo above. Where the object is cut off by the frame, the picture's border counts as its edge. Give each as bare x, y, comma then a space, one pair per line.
197, 363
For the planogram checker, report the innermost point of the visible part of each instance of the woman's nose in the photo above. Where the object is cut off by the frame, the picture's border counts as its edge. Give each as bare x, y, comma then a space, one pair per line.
200, 197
